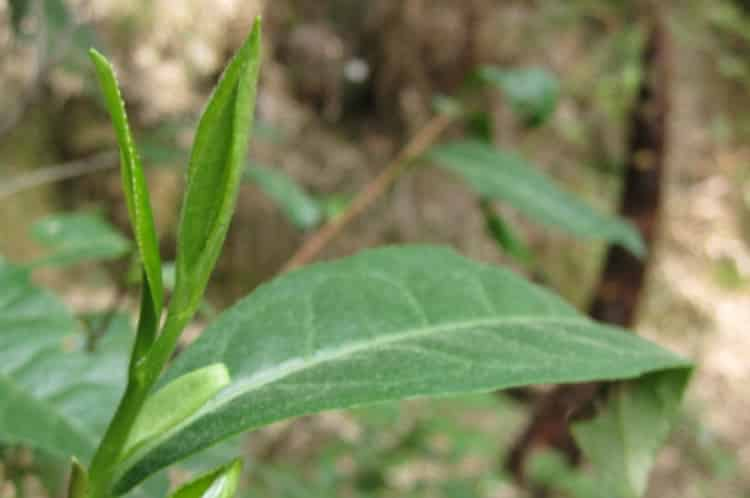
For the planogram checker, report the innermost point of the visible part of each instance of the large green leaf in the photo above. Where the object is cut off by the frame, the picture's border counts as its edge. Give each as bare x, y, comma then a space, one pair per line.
134, 182
50, 399
384, 325
216, 164
505, 176
78, 237
300, 208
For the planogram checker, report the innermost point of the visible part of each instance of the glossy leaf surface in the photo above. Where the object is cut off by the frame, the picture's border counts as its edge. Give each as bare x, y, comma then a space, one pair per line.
133, 181
301, 209
216, 164
505, 176
75, 238
388, 324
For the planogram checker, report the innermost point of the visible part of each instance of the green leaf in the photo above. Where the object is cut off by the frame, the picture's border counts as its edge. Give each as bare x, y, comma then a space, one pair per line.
385, 325
75, 238
50, 399
214, 172
220, 483
134, 182
300, 208
505, 176
532, 92
504, 235
623, 441
183, 397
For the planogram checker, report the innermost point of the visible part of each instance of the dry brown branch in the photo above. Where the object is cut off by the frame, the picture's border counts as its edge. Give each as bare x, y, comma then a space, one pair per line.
50, 174
371, 193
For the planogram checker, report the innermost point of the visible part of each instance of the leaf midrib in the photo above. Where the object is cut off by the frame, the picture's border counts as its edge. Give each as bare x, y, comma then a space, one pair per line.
298, 364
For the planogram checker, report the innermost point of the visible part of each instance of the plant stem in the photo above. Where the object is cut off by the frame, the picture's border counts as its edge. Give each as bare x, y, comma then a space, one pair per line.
372, 192
102, 465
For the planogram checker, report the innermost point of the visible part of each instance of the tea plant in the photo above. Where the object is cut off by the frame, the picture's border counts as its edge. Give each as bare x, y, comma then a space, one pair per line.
386, 324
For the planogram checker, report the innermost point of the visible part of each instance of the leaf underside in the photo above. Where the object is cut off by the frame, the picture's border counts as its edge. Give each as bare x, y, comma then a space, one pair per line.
388, 324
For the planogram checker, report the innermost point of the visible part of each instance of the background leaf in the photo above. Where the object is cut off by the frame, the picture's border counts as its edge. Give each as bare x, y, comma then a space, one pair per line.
622, 442
384, 325
78, 237
504, 176
51, 399
301, 209
53, 396
532, 93
504, 235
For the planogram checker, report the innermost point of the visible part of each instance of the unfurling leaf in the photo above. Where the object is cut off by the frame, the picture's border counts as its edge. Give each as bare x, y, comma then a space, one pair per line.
219, 483
175, 402
136, 191
214, 172
78, 483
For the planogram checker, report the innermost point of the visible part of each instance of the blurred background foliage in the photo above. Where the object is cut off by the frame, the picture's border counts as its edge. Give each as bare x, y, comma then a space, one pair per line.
345, 84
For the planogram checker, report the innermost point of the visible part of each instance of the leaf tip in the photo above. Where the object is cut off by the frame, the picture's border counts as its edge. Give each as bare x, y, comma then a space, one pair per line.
97, 57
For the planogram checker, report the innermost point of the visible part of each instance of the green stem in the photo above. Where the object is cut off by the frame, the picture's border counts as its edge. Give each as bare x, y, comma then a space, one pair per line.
102, 466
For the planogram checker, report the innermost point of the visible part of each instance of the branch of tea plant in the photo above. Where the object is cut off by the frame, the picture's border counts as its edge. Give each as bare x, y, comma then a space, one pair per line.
371, 193
64, 171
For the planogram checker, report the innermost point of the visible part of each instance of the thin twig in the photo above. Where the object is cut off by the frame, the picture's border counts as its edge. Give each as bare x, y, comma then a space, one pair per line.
371, 193
79, 167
